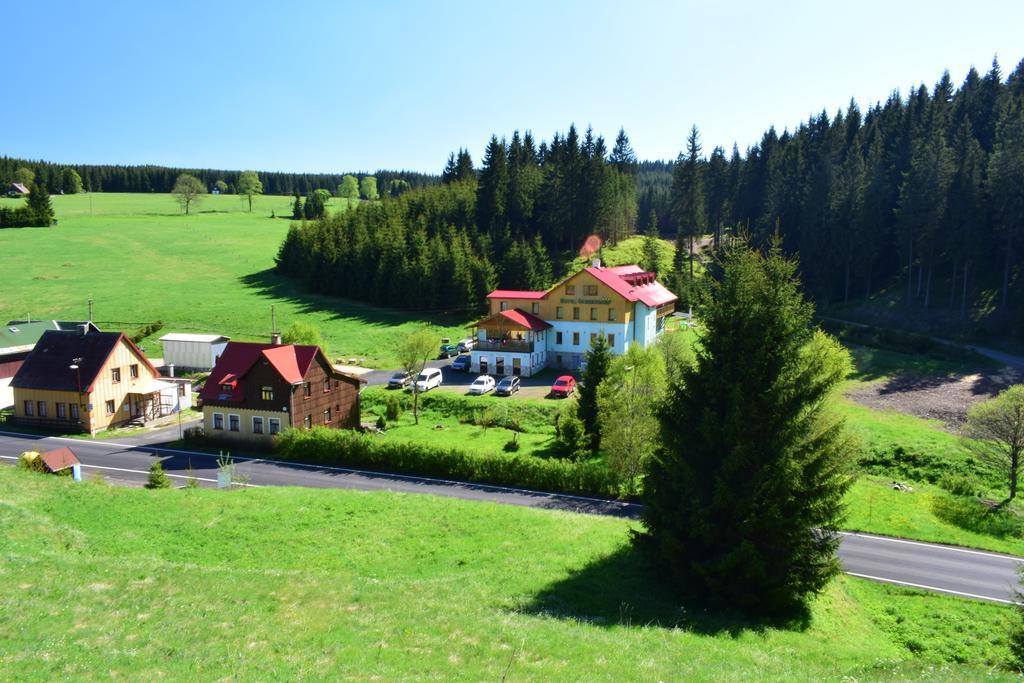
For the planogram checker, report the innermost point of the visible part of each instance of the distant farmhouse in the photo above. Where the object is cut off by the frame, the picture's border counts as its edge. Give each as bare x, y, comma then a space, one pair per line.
528, 331
85, 380
257, 390
17, 339
15, 189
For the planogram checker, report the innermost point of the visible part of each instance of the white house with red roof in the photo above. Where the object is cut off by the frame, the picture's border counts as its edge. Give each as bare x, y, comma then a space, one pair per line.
527, 331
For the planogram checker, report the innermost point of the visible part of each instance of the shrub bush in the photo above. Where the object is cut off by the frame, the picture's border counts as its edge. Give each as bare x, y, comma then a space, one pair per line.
572, 438
158, 479
350, 449
195, 434
382, 424
900, 463
512, 445
147, 330
973, 515
393, 410
959, 485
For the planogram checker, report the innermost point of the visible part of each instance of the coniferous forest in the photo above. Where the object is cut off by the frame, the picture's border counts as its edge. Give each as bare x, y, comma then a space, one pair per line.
443, 248
117, 178
923, 192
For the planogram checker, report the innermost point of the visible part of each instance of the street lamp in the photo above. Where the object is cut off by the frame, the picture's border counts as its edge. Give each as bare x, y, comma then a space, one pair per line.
75, 365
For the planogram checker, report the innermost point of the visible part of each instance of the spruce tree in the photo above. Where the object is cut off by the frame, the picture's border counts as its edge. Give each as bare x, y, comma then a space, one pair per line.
158, 479
744, 496
297, 209
687, 209
451, 169
1006, 185
464, 166
651, 255
492, 191
39, 205
598, 357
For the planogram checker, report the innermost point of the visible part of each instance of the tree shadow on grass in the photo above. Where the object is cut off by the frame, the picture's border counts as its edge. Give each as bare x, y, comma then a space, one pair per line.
270, 284
625, 589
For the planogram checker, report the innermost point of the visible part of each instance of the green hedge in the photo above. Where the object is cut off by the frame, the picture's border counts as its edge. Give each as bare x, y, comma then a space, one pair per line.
351, 449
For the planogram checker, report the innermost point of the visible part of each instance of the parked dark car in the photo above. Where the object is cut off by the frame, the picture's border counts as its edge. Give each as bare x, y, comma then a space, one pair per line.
461, 364
399, 380
448, 350
563, 386
507, 386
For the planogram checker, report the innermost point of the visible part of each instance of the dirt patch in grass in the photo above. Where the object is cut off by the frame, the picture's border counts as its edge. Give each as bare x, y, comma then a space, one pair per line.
943, 397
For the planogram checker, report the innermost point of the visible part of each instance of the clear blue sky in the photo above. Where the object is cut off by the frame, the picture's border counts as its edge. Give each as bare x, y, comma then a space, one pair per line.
338, 86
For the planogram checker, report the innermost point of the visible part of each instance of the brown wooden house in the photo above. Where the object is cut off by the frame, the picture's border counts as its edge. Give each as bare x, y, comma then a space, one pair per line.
257, 390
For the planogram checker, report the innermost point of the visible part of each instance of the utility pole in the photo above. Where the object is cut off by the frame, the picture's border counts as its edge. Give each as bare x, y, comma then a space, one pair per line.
90, 309
273, 320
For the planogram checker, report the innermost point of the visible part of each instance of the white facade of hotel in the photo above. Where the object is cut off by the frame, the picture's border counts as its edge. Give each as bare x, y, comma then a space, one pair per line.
565, 344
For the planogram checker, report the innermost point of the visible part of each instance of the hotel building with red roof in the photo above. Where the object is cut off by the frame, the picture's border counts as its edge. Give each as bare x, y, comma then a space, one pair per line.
527, 331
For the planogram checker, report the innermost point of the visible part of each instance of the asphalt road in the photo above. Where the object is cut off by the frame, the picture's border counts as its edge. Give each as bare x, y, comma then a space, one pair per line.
945, 569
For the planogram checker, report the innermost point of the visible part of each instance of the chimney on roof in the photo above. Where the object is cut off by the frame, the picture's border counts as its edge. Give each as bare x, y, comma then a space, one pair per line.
275, 338
83, 329
596, 262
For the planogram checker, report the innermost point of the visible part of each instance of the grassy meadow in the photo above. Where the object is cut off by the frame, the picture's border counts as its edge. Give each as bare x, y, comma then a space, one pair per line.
279, 583
141, 259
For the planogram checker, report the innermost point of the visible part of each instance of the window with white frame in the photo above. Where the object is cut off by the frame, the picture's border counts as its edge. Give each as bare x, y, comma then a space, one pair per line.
234, 423
257, 424
218, 421
275, 425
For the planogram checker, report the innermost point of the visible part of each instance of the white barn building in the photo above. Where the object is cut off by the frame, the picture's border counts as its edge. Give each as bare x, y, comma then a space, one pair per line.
193, 352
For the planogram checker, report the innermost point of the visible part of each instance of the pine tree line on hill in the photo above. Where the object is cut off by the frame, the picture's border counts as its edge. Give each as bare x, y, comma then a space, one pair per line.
926, 190
444, 248
117, 178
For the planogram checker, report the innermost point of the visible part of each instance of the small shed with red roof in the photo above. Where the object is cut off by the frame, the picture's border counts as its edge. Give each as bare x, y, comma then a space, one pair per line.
60, 459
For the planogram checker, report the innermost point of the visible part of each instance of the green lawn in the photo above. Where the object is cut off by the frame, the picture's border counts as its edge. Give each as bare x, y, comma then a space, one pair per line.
141, 260
278, 583
927, 513
469, 423
905, 448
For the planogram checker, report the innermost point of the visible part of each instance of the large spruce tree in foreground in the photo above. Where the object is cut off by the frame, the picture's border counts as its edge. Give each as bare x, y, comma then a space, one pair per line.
744, 495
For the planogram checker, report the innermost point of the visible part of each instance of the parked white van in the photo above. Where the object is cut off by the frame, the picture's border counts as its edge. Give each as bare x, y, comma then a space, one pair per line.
428, 379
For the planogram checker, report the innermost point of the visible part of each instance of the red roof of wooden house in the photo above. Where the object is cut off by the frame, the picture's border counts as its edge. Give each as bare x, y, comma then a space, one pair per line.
291, 361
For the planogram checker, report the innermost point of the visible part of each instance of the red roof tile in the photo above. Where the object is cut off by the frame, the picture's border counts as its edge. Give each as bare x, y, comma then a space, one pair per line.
652, 294
291, 361
516, 294
59, 459
521, 318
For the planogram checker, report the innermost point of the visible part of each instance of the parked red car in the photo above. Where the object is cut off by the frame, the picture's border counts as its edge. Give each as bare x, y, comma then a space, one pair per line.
563, 386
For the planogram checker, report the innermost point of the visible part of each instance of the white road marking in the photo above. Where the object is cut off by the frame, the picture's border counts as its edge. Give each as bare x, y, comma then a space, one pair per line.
937, 546
122, 469
931, 588
333, 468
